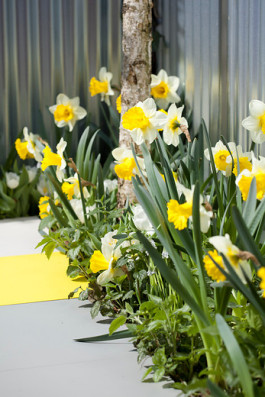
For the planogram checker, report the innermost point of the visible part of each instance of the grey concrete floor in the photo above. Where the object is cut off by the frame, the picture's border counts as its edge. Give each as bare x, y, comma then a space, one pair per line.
38, 354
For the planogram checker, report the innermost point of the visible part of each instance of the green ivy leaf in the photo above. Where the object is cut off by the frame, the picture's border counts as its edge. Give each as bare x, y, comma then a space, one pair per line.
117, 323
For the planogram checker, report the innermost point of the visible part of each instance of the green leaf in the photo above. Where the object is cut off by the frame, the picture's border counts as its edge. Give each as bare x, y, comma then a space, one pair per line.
128, 308
236, 355
60, 219
245, 236
215, 390
81, 150
117, 323
147, 372
159, 358
158, 374
95, 309
106, 337
49, 248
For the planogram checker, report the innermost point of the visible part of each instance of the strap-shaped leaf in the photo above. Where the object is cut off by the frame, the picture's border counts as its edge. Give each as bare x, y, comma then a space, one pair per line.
250, 205
236, 355
106, 337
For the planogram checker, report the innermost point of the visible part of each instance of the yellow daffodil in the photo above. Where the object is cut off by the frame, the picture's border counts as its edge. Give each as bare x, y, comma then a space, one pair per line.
173, 122
224, 245
126, 166
255, 123
211, 268
163, 89
244, 179
27, 148
71, 187
67, 111
58, 160
12, 180
261, 274
118, 103
179, 214
44, 207
143, 121
102, 86
106, 259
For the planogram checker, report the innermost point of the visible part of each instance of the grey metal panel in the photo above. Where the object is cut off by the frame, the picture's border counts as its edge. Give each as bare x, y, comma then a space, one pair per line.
48, 47
216, 47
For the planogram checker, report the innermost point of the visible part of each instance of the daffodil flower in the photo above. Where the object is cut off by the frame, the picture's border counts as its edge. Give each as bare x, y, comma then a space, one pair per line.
163, 89
222, 157
27, 148
244, 179
71, 187
143, 120
44, 207
212, 270
179, 214
58, 160
67, 111
261, 274
105, 259
43, 186
12, 180
126, 166
255, 123
102, 86
118, 103
32, 172
173, 122
141, 220
224, 245
110, 185
78, 209
242, 158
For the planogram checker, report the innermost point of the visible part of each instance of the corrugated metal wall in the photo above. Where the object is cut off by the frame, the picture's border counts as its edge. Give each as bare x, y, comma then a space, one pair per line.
216, 47
48, 47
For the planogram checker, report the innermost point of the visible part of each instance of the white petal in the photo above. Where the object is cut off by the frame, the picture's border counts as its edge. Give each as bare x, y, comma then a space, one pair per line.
149, 107
257, 137
102, 73
173, 82
74, 102
162, 103
62, 99
150, 134
251, 123
256, 108
155, 80
121, 153
137, 136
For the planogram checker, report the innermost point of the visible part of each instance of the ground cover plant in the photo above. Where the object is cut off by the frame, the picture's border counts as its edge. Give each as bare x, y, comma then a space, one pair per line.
181, 267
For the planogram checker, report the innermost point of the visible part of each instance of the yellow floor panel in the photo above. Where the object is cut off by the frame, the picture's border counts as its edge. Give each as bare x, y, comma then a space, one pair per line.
34, 278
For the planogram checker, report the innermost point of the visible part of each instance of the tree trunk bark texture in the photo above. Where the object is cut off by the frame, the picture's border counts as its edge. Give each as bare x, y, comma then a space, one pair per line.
136, 70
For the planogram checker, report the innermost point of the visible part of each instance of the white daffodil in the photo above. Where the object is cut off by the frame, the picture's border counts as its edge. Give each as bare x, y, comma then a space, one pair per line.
67, 111
71, 187
163, 89
106, 258
143, 120
110, 184
43, 185
126, 166
51, 158
173, 122
224, 245
102, 86
255, 123
180, 213
141, 221
244, 179
220, 155
32, 172
12, 180
78, 209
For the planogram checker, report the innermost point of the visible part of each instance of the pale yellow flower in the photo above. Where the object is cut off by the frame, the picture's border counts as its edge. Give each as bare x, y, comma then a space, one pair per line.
255, 123
67, 111
244, 179
126, 167
163, 89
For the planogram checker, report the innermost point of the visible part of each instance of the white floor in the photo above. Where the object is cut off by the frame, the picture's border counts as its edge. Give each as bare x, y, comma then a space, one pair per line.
38, 356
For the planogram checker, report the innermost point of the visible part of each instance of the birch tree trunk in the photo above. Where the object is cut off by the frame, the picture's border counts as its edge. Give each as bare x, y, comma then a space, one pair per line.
136, 70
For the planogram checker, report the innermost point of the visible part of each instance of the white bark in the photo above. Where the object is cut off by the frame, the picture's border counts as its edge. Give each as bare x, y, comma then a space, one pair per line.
136, 70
